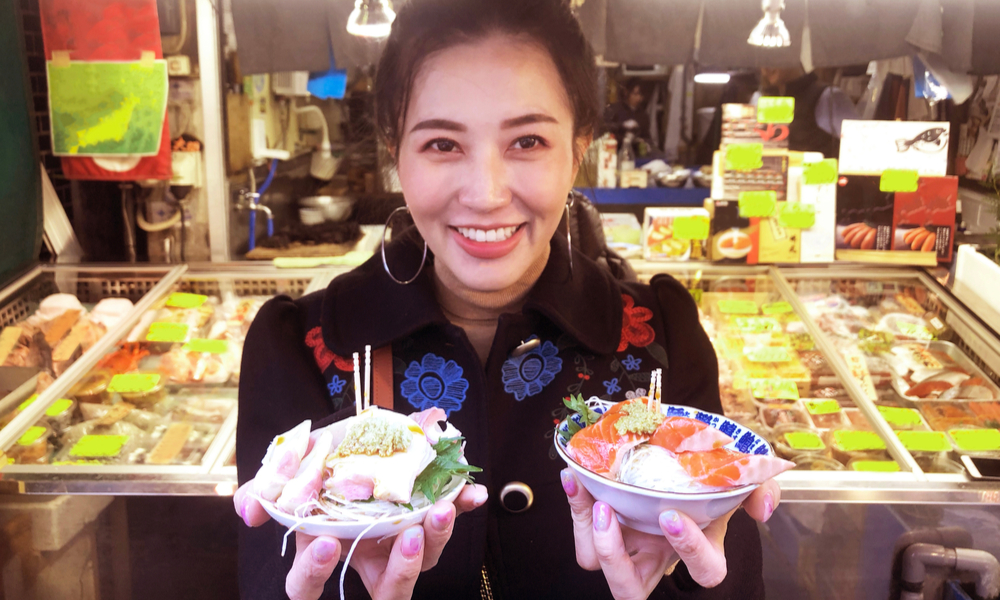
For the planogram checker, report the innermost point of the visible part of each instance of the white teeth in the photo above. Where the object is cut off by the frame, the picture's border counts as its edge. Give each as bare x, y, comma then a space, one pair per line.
487, 235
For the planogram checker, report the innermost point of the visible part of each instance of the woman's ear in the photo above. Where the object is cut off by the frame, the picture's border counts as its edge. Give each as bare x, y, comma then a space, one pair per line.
580, 145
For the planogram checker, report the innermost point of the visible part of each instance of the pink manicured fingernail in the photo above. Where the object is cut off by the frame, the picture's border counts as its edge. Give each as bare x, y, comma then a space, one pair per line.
442, 518
602, 516
568, 483
768, 506
243, 511
412, 539
323, 551
481, 496
671, 521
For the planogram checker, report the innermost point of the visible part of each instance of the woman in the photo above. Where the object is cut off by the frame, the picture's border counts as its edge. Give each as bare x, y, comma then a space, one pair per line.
487, 107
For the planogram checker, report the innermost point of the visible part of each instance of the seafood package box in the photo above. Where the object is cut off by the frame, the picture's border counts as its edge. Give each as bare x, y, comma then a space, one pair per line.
924, 220
741, 126
872, 147
671, 233
623, 233
864, 213
730, 240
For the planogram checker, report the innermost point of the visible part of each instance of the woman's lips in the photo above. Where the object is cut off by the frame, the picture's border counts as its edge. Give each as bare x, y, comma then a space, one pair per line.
488, 250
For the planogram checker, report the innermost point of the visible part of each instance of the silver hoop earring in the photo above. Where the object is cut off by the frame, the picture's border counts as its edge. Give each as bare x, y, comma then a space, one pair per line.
385, 263
569, 235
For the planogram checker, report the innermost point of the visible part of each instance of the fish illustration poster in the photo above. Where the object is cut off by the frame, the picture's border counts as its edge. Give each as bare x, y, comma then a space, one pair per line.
107, 108
871, 147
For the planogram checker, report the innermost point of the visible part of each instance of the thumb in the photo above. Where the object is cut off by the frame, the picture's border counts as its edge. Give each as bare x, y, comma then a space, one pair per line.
405, 562
314, 562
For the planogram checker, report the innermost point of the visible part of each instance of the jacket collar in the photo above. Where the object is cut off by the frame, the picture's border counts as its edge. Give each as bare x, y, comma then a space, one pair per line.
365, 306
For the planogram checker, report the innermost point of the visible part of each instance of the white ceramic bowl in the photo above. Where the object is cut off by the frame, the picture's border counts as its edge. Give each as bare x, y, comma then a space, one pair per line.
349, 530
640, 508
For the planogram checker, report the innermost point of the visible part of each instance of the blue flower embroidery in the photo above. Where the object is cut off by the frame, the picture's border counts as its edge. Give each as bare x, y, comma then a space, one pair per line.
632, 363
336, 385
527, 374
434, 382
612, 386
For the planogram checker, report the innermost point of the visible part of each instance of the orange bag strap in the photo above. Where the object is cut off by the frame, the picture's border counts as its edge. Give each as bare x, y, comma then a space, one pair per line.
382, 389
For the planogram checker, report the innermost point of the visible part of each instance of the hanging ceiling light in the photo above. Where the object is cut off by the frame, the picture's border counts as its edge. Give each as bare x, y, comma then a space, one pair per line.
712, 78
771, 31
371, 18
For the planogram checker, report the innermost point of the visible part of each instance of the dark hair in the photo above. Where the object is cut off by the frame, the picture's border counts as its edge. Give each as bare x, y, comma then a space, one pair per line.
423, 27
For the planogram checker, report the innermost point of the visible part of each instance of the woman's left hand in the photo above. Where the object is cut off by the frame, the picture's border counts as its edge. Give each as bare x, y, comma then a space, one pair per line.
634, 562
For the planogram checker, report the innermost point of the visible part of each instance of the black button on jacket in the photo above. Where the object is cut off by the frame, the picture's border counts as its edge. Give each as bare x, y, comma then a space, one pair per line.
599, 337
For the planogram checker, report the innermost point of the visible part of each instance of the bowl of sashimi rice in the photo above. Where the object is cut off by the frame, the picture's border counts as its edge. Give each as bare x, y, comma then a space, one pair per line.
642, 457
368, 476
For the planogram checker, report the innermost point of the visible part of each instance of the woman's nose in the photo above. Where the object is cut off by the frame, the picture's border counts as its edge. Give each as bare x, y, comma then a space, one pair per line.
486, 186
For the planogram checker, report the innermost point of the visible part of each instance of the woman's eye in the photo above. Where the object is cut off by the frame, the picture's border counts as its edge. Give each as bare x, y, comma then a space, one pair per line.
441, 145
527, 142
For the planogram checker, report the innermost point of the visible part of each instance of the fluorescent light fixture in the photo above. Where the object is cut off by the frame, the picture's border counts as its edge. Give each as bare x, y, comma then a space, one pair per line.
712, 78
371, 19
771, 32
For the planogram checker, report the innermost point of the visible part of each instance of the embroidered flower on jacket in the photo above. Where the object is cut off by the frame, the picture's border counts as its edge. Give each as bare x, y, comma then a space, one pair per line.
632, 363
336, 385
635, 330
612, 386
638, 393
434, 382
314, 339
528, 374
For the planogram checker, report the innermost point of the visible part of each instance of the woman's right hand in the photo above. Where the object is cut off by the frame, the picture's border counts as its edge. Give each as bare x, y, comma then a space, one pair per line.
388, 572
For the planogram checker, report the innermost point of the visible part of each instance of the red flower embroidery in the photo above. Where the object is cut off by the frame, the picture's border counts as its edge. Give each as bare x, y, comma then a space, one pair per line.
635, 330
314, 339
343, 364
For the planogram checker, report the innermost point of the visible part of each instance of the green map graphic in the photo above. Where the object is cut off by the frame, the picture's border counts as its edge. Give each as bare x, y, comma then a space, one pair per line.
107, 108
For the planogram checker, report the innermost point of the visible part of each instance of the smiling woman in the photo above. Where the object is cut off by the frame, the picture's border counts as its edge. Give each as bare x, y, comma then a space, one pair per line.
487, 107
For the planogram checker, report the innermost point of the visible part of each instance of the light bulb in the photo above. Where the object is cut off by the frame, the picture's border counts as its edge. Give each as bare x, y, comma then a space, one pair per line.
371, 18
712, 78
771, 32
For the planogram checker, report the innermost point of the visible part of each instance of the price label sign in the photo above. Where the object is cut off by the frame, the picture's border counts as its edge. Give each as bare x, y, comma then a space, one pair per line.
796, 215
900, 417
768, 354
774, 389
857, 441
744, 157
756, 324
820, 173
691, 228
183, 300
133, 383
776, 308
822, 407
898, 180
760, 203
976, 440
167, 332
804, 440
876, 466
738, 307
98, 446
924, 441
914, 330
775, 109
209, 346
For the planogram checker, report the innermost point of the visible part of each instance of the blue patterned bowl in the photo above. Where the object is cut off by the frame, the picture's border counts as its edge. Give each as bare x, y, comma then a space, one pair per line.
640, 508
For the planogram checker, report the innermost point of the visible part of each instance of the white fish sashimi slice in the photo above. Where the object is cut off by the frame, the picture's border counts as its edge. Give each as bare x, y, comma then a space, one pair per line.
308, 480
655, 468
268, 483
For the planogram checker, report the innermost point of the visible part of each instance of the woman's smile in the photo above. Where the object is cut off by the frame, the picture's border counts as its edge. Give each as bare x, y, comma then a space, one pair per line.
488, 243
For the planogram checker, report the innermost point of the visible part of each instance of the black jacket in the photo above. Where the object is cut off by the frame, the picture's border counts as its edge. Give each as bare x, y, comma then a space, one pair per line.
600, 337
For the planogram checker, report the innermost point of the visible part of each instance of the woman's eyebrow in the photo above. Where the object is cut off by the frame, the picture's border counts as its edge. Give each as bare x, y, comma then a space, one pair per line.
438, 124
528, 120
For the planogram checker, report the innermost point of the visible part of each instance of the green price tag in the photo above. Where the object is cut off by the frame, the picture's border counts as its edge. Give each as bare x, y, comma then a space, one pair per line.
757, 203
32, 435
183, 300
768, 354
133, 383
744, 157
796, 215
167, 332
209, 346
820, 173
774, 389
775, 109
976, 440
696, 293
691, 228
59, 407
822, 407
738, 307
924, 441
756, 324
898, 180
914, 330
900, 417
876, 466
776, 308
31, 399
98, 446
857, 441
804, 440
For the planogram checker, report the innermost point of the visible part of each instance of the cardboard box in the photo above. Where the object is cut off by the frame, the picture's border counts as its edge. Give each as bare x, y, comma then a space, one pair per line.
872, 147
864, 214
731, 235
924, 220
740, 126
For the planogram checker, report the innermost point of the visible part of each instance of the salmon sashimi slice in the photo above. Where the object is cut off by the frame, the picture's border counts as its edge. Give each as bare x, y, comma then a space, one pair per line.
723, 468
599, 447
681, 434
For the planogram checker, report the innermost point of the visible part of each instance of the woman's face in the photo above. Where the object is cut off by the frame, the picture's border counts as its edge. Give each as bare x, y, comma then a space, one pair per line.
486, 158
